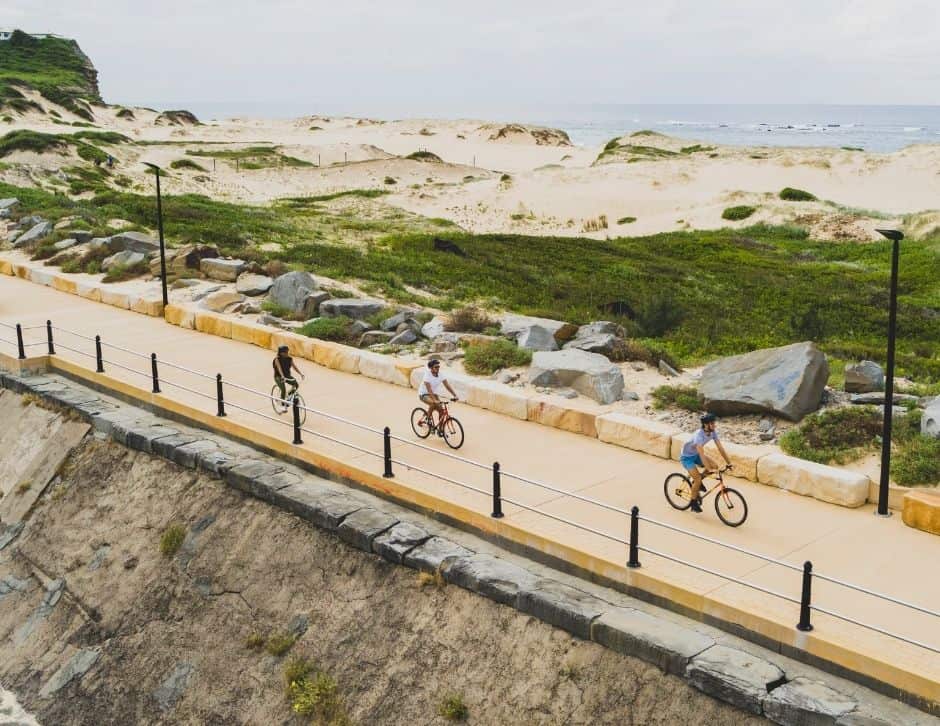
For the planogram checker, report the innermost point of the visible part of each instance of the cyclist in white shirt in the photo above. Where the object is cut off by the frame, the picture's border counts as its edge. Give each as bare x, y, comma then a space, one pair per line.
432, 388
693, 456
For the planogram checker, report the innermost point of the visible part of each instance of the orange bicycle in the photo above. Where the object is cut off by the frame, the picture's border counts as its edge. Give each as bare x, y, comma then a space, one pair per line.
447, 427
730, 505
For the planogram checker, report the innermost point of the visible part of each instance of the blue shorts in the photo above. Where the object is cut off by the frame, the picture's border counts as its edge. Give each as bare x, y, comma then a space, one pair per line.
690, 461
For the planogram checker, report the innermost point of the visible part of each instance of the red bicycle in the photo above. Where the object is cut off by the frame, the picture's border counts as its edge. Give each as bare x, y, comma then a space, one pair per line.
447, 427
730, 505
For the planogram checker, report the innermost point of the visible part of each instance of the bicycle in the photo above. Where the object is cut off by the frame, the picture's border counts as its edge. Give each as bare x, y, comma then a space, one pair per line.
284, 405
447, 427
730, 505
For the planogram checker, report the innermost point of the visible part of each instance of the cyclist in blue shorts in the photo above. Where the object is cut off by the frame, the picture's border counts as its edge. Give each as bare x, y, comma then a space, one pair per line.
693, 456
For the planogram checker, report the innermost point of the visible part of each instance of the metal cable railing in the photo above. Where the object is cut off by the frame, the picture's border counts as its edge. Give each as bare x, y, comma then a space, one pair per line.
632, 542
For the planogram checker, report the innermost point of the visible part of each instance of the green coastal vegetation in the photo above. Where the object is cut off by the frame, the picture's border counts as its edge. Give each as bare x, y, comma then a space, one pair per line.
54, 67
694, 294
735, 214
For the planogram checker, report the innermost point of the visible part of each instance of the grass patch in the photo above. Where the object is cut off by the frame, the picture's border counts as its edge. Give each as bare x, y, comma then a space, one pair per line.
314, 694
390, 180
119, 273
736, 214
595, 224
34, 141
125, 113
695, 148
172, 539
685, 397
852, 148
279, 643
252, 157
103, 137
23, 487
834, 436
453, 708
187, 164
254, 641
335, 329
490, 356
626, 220
635, 152
916, 462
789, 194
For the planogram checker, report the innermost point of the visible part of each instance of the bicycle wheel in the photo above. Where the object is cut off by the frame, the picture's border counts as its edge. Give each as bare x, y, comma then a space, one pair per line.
731, 507
419, 423
678, 490
276, 402
453, 433
302, 411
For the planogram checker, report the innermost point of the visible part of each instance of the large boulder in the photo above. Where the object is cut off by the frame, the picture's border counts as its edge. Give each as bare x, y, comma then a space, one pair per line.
38, 231
787, 382
930, 421
602, 343
351, 308
182, 260
601, 327
127, 258
864, 377
134, 242
248, 283
536, 337
512, 326
312, 303
7, 206
290, 290
218, 268
220, 301
588, 373
433, 328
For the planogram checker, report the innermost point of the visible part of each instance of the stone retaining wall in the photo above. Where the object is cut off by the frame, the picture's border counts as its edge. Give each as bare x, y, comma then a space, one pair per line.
751, 678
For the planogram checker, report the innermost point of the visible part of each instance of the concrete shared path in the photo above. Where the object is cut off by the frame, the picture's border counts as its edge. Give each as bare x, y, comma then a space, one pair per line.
849, 544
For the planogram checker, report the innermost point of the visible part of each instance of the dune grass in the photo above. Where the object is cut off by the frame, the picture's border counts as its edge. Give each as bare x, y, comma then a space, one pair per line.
789, 194
738, 213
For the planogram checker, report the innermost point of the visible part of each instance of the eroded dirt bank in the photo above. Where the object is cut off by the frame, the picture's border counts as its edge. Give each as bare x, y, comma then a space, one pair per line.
172, 633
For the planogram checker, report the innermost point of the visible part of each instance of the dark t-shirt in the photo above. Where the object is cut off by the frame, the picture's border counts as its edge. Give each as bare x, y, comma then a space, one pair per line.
287, 364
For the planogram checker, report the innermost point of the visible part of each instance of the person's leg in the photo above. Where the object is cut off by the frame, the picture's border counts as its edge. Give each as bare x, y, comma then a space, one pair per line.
294, 385
280, 386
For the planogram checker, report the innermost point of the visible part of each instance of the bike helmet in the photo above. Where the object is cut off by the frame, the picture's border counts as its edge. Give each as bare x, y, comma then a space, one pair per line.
433, 362
283, 349
708, 418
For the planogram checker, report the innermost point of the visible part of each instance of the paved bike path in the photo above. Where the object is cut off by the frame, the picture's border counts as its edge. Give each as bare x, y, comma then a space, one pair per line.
850, 544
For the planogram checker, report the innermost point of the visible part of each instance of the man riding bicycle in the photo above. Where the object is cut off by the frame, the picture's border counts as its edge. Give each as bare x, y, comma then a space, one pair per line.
432, 389
283, 368
693, 456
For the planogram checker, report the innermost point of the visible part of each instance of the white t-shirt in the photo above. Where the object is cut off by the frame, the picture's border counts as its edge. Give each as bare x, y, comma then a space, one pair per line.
435, 383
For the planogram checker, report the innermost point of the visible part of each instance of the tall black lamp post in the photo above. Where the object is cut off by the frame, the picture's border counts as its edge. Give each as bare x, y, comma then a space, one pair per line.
156, 171
895, 236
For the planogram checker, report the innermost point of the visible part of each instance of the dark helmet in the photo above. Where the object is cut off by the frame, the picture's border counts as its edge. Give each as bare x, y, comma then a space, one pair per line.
283, 349
433, 362
708, 418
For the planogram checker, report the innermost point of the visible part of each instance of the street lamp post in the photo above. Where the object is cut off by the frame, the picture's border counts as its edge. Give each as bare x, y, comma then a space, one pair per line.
895, 236
156, 171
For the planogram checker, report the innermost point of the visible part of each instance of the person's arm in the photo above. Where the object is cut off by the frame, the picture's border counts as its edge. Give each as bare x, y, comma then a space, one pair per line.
428, 391
452, 391
302, 376
723, 452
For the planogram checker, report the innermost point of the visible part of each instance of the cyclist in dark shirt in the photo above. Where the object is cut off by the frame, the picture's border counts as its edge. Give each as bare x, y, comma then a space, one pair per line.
284, 367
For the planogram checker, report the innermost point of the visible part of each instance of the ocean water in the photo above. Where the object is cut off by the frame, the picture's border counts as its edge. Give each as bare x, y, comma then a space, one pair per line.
873, 128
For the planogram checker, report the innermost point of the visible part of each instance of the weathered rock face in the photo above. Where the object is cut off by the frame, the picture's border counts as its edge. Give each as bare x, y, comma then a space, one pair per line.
512, 326
291, 290
223, 270
404, 337
433, 328
127, 258
374, 337
312, 304
351, 308
7, 206
864, 377
930, 421
590, 374
601, 327
81, 235
787, 382
249, 283
134, 242
38, 231
64, 244
536, 337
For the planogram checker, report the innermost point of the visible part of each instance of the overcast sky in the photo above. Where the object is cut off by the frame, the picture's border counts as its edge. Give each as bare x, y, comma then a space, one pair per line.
361, 52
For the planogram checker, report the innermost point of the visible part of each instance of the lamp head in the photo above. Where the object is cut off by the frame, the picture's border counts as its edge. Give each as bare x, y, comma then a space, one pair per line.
156, 169
894, 235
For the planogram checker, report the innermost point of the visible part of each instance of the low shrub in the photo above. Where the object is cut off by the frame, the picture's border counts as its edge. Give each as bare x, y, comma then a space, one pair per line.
186, 164
453, 708
279, 643
595, 224
118, 273
424, 156
917, 462
489, 356
789, 194
44, 251
626, 220
834, 436
469, 319
644, 351
172, 539
685, 397
335, 329
313, 693
391, 180
278, 311
738, 213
